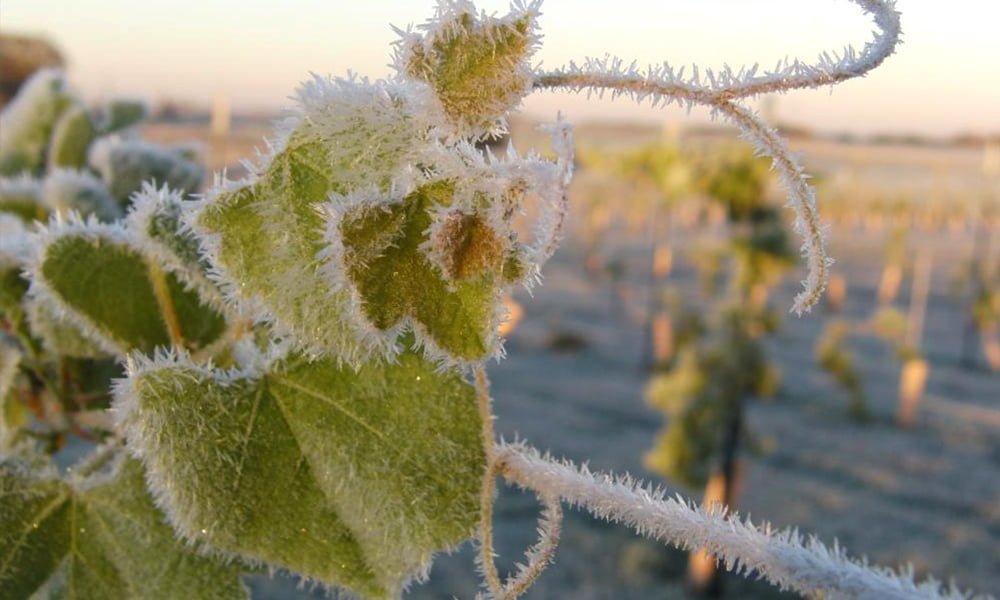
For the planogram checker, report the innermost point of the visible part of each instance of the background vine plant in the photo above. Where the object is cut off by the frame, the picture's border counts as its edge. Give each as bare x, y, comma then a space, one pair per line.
304, 384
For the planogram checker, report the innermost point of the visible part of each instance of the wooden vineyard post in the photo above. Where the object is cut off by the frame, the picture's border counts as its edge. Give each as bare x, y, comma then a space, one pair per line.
219, 127
836, 292
913, 374
990, 340
721, 493
888, 284
663, 338
895, 257
661, 328
912, 379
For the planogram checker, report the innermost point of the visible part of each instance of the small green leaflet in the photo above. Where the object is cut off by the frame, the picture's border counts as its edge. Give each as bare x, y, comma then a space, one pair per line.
27, 122
101, 537
60, 336
122, 113
454, 303
72, 135
351, 478
478, 69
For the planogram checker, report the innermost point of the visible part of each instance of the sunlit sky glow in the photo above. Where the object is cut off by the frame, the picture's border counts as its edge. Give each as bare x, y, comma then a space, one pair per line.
943, 80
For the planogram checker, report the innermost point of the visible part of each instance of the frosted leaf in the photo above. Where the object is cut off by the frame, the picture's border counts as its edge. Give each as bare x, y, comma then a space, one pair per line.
60, 336
155, 223
100, 537
66, 190
433, 255
22, 197
122, 113
160, 310
350, 478
72, 135
27, 122
426, 262
12, 414
262, 235
476, 65
124, 164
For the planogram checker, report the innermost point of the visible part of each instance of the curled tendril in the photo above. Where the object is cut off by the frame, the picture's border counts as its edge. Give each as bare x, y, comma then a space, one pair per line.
720, 90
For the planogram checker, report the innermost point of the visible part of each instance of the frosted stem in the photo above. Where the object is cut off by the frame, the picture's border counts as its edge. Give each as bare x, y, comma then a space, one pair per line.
782, 557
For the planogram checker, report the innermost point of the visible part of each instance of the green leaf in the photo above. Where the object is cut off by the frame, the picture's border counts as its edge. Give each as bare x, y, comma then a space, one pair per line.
13, 248
66, 190
12, 287
34, 539
22, 198
452, 300
71, 137
478, 69
100, 538
122, 113
278, 270
12, 414
117, 295
352, 478
264, 235
60, 336
125, 164
27, 122
155, 222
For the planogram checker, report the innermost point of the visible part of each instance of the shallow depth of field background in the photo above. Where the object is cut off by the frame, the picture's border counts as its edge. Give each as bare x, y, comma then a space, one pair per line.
890, 167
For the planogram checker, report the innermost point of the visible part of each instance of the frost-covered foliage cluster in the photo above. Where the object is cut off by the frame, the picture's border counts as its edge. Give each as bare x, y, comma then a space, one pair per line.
720, 362
297, 356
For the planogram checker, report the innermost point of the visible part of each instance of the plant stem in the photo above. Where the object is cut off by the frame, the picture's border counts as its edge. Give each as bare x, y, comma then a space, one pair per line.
165, 303
782, 557
488, 487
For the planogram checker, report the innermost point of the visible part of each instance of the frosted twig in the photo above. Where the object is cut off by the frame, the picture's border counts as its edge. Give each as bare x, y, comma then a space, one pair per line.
782, 557
720, 89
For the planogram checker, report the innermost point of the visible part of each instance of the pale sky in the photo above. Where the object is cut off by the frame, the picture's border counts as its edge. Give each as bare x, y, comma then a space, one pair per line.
944, 78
